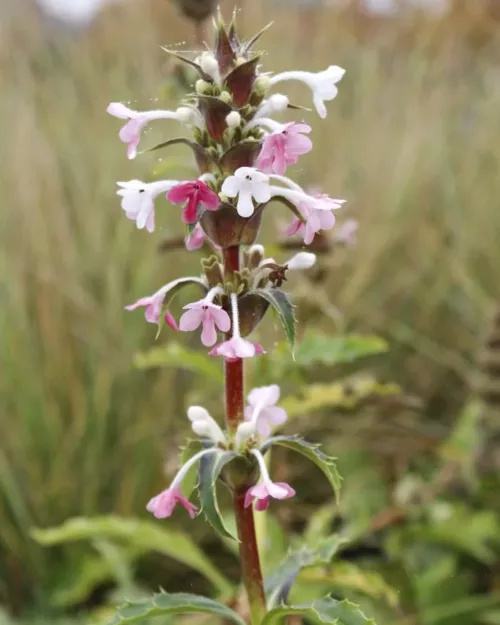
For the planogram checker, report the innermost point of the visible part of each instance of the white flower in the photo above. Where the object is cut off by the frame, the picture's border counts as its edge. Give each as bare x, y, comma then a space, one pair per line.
138, 200
322, 84
203, 424
247, 184
209, 65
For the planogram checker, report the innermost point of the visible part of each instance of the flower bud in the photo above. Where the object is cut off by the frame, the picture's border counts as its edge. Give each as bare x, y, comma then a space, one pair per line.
261, 86
233, 119
209, 65
226, 97
203, 87
278, 103
254, 256
302, 260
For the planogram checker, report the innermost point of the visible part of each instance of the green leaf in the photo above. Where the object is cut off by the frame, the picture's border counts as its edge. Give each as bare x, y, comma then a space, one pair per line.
316, 347
321, 611
471, 607
312, 452
164, 603
209, 471
190, 481
177, 356
278, 584
283, 309
346, 576
136, 535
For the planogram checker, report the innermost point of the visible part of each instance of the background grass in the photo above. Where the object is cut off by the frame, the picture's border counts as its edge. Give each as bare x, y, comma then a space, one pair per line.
412, 142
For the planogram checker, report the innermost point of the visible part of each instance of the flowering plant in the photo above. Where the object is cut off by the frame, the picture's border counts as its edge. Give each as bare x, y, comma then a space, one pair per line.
242, 154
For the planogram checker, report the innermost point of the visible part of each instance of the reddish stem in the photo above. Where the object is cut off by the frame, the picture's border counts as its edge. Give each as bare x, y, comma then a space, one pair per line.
249, 553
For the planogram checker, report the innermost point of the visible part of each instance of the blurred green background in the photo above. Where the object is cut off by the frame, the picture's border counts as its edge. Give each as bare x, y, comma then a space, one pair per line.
412, 141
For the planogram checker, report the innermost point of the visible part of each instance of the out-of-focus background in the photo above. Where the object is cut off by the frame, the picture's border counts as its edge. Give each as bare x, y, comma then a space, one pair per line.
413, 142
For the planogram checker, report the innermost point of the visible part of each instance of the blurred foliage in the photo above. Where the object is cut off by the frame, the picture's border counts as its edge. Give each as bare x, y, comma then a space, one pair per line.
85, 434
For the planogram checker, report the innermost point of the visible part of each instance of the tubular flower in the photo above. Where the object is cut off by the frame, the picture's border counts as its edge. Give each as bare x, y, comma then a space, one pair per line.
247, 184
283, 147
236, 347
194, 194
204, 425
322, 84
208, 315
131, 132
261, 493
162, 506
262, 411
138, 200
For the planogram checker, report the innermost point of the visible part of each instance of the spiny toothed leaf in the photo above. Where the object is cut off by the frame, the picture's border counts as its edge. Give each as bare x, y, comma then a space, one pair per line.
312, 452
177, 285
164, 603
203, 160
240, 81
317, 347
184, 59
209, 471
325, 610
242, 154
283, 309
249, 44
140, 536
278, 584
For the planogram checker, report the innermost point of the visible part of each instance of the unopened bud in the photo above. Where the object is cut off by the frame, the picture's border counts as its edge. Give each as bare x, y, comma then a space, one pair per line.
278, 102
209, 65
203, 87
243, 433
198, 413
302, 260
226, 97
233, 119
261, 85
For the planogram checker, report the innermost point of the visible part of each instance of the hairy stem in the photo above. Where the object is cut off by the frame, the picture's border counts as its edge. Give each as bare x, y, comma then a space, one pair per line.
249, 554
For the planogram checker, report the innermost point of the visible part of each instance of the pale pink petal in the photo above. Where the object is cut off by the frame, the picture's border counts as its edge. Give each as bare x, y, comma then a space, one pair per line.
222, 319
280, 490
196, 239
190, 320
144, 301
162, 505
266, 395
208, 334
294, 227
131, 131
276, 415
326, 220
298, 144
150, 222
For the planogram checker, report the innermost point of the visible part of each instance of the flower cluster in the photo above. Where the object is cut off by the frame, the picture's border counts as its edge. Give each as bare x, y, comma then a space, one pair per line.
252, 436
243, 155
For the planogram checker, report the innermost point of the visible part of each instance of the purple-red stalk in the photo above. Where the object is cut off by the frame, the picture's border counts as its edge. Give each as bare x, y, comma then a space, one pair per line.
251, 571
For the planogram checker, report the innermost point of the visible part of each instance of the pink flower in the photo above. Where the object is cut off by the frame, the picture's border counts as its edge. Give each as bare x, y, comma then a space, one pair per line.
163, 504
267, 488
207, 314
237, 348
130, 133
262, 411
153, 304
283, 147
195, 193
317, 216
195, 239
262, 493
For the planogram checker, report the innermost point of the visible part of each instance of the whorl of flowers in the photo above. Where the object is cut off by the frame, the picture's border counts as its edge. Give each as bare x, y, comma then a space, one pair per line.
242, 153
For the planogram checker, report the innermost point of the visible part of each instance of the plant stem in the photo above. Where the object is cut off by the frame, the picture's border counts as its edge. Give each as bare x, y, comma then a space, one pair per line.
249, 553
